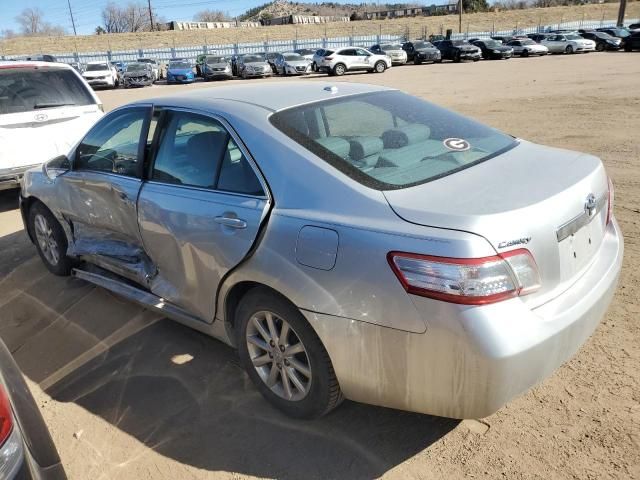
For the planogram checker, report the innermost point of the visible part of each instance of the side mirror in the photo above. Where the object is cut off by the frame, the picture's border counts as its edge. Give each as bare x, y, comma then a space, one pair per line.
56, 167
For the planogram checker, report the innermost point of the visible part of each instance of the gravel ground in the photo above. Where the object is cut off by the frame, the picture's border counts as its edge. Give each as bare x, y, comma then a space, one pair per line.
128, 395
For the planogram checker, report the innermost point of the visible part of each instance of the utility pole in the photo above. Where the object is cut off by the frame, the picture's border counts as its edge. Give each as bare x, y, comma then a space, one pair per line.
150, 15
623, 7
459, 16
73, 23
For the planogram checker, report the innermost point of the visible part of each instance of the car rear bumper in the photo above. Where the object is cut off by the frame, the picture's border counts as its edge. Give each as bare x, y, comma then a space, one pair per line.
10, 177
471, 360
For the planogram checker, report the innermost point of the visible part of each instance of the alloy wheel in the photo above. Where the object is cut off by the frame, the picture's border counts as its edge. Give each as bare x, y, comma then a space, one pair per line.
278, 355
46, 240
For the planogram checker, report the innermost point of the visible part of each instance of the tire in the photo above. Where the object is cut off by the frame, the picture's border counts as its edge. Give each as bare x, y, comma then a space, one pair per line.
456, 57
600, 47
50, 240
321, 392
314, 67
627, 47
568, 49
379, 67
416, 61
339, 69
525, 53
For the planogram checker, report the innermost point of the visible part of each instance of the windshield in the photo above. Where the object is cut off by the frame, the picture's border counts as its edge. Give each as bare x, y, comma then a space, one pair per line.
252, 58
26, 89
527, 42
93, 67
136, 67
306, 51
180, 64
390, 140
621, 32
423, 45
391, 46
218, 59
573, 36
292, 57
492, 43
460, 42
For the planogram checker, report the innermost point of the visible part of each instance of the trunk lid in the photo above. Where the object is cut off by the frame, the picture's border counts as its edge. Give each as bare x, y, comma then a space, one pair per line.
531, 197
35, 136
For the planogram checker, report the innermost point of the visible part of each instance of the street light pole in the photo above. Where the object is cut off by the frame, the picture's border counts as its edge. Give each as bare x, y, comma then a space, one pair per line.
623, 7
459, 16
73, 23
150, 15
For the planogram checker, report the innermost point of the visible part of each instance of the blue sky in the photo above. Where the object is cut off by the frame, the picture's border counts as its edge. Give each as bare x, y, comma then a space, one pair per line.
87, 12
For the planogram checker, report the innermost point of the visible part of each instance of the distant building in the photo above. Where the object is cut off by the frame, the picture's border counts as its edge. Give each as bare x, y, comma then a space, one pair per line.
445, 9
177, 25
304, 19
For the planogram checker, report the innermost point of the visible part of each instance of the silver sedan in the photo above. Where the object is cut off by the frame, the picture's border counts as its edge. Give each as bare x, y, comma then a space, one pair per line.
351, 241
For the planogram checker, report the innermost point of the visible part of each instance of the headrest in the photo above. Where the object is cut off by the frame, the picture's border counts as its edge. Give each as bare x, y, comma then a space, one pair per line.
403, 136
337, 145
362, 147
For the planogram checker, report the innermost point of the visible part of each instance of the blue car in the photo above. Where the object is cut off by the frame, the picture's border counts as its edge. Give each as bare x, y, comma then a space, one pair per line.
180, 71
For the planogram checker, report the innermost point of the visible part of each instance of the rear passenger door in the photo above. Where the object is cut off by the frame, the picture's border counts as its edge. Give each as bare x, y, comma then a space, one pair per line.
200, 210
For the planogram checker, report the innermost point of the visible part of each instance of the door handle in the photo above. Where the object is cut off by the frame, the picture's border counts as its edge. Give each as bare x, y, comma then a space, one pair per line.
231, 222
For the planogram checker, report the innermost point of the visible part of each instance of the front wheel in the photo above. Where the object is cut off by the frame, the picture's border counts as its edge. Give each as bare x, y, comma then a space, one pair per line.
416, 61
379, 67
51, 241
525, 53
284, 357
600, 47
569, 49
339, 70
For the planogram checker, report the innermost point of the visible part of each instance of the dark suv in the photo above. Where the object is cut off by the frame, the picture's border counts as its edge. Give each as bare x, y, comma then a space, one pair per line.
458, 50
632, 42
420, 51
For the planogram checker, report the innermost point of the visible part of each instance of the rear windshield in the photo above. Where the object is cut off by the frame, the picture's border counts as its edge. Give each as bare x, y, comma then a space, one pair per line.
179, 64
390, 140
28, 89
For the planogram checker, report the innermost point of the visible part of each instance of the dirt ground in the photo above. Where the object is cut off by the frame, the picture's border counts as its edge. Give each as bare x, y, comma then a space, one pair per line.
413, 27
128, 395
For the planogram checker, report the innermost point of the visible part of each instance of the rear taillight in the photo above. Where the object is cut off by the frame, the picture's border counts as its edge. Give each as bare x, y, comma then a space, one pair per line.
610, 199
6, 420
328, 57
469, 281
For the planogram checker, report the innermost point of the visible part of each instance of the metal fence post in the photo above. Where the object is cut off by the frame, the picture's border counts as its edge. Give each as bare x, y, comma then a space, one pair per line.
235, 49
140, 53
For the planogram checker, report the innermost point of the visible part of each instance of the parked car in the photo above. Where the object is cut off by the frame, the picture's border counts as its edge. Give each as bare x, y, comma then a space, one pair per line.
279, 221
43, 58
216, 67
634, 26
568, 43
619, 32
420, 51
349, 59
603, 40
253, 65
45, 108
200, 63
270, 57
26, 448
307, 53
392, 50
291, 63
318, 57
155, 67
77, 66
101, 74
180, 71
503, 38
538, 37
493, 49
526, 47
632, 42
458, 50
138, 74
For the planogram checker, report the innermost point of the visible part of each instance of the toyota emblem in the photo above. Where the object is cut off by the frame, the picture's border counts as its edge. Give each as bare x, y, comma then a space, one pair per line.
590, 205
40, 117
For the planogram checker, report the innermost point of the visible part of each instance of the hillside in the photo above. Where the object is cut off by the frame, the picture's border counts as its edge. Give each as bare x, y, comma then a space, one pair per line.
410, 26
281, 8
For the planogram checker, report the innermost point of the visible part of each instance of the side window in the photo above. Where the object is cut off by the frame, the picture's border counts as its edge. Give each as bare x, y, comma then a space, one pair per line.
197, 151
190, 151
363, 53
113, 144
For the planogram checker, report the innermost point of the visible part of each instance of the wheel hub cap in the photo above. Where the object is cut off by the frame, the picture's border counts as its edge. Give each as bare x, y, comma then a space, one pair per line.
46, 241
278, 355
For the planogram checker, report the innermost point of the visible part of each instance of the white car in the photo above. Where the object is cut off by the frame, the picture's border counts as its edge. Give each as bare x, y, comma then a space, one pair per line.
101, 74
568, 43
45, 109
525, 47
347, 59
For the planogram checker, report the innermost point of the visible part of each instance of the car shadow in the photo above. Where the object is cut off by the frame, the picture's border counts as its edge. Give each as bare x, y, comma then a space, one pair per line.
9, 199
179, 392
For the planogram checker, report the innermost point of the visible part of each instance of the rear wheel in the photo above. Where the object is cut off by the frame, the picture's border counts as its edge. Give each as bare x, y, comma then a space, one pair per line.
51, 241
525, 53
284, 357
340, 69
417, 61
379, 67
600, 47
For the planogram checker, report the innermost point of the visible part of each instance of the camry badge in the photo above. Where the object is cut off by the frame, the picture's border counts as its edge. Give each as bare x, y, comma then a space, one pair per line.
40, 117
590, 205
516, 241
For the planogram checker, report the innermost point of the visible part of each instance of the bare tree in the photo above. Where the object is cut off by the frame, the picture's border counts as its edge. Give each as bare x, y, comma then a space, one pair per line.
132, 18
31, 21
211, 16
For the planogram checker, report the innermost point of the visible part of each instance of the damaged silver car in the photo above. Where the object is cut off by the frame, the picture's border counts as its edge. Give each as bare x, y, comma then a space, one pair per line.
351, 241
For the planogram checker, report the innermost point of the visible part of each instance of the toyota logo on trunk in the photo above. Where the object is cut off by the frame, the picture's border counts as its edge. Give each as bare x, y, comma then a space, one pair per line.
40, 117
590, 205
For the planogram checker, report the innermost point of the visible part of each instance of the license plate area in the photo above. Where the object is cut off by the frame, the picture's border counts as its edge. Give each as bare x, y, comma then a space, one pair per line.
578, 249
